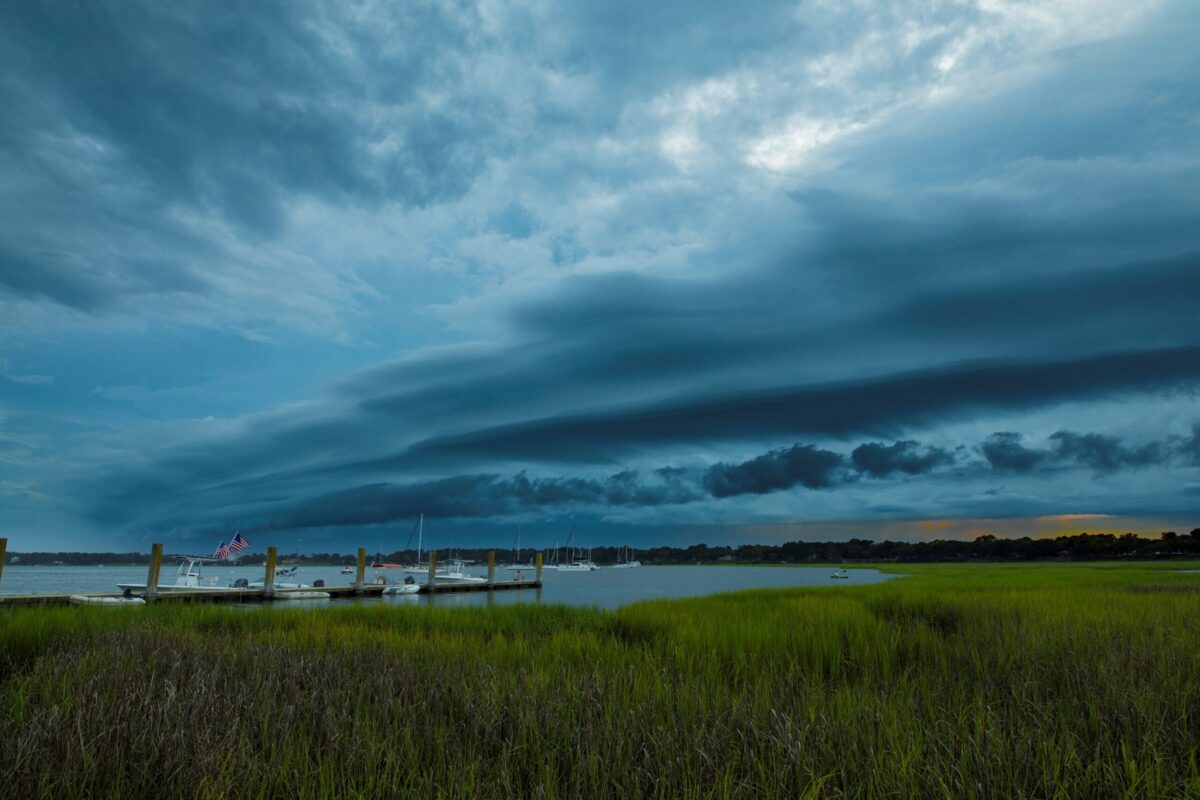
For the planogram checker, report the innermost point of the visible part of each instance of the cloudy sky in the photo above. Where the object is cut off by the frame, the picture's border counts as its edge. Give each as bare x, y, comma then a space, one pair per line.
669, 272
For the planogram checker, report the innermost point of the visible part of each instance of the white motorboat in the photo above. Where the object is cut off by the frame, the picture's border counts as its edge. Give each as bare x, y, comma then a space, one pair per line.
189, 578
402, 588
302, 595
347, 570
454, 571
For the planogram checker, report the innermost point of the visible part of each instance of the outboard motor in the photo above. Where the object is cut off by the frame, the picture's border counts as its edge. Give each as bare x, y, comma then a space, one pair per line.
317, 584
241, 583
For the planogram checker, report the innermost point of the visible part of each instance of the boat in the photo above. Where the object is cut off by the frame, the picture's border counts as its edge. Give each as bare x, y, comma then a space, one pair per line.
105, 600
517, 566
414, 569
347, 570
302, 594
189, 578
577, 562
241, 583
454, 571
840, 573
628, 562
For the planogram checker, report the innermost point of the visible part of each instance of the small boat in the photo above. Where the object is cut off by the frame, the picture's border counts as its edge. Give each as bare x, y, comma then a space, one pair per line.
840, 573
302, 595
347, 570
105, 600
406, 586
274, 585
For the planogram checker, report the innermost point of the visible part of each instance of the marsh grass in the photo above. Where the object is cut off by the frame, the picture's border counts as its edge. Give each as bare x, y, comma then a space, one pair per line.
976, 681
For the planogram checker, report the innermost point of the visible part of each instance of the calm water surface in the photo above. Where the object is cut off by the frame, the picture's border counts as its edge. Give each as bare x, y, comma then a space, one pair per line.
604, 588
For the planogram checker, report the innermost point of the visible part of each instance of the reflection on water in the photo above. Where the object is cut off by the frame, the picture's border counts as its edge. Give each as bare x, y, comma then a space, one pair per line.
604, 588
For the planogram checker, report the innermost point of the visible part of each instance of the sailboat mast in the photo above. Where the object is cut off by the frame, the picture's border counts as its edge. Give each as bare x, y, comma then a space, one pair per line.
420, 534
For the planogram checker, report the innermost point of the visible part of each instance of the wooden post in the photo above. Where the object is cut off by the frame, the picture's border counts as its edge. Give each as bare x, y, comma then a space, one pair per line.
155, 568
361, 575
491, 567
269, 578
432, 570
3, 550
538, 560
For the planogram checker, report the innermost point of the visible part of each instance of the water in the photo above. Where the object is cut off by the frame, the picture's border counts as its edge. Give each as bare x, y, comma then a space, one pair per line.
604, 588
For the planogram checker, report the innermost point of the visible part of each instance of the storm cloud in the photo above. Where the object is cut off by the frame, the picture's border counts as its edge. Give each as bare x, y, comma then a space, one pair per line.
476, 496
1099, 452
882, 404
880, 460
317, 264
779, 469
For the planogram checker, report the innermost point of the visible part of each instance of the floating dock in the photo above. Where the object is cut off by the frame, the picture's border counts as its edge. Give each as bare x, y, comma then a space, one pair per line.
270, 593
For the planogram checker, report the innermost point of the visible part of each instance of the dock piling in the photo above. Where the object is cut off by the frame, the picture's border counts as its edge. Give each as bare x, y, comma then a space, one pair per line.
491, 567
431, 586
269, 578
361, 574
156, 551
3, 550
538, 561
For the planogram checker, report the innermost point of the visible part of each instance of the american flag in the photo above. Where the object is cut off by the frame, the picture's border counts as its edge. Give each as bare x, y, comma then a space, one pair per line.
222, 550
239, 542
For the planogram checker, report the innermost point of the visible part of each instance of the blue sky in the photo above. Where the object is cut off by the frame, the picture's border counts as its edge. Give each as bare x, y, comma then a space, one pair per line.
667, 272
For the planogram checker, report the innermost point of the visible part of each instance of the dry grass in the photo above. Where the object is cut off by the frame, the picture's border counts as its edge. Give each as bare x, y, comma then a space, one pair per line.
1014, 681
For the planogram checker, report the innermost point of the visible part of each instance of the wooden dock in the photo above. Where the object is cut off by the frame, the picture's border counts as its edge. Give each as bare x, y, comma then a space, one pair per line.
270, 593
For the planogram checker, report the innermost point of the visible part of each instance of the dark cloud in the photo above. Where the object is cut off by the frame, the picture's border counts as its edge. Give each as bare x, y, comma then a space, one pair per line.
182, 135
803, 465
878, 405
478, 496
233, 108
879, 460
1189, 448
1100, 452
1105, 454
1004, 451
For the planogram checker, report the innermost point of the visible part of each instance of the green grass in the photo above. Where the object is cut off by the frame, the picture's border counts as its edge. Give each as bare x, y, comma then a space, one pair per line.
957, 681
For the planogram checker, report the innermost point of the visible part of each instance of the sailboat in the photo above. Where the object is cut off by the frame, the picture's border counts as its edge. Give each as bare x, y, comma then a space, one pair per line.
517, 565
576, 563
451, 570
628, 561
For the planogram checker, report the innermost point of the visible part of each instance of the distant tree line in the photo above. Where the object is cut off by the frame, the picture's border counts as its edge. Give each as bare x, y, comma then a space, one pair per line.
1080, 547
